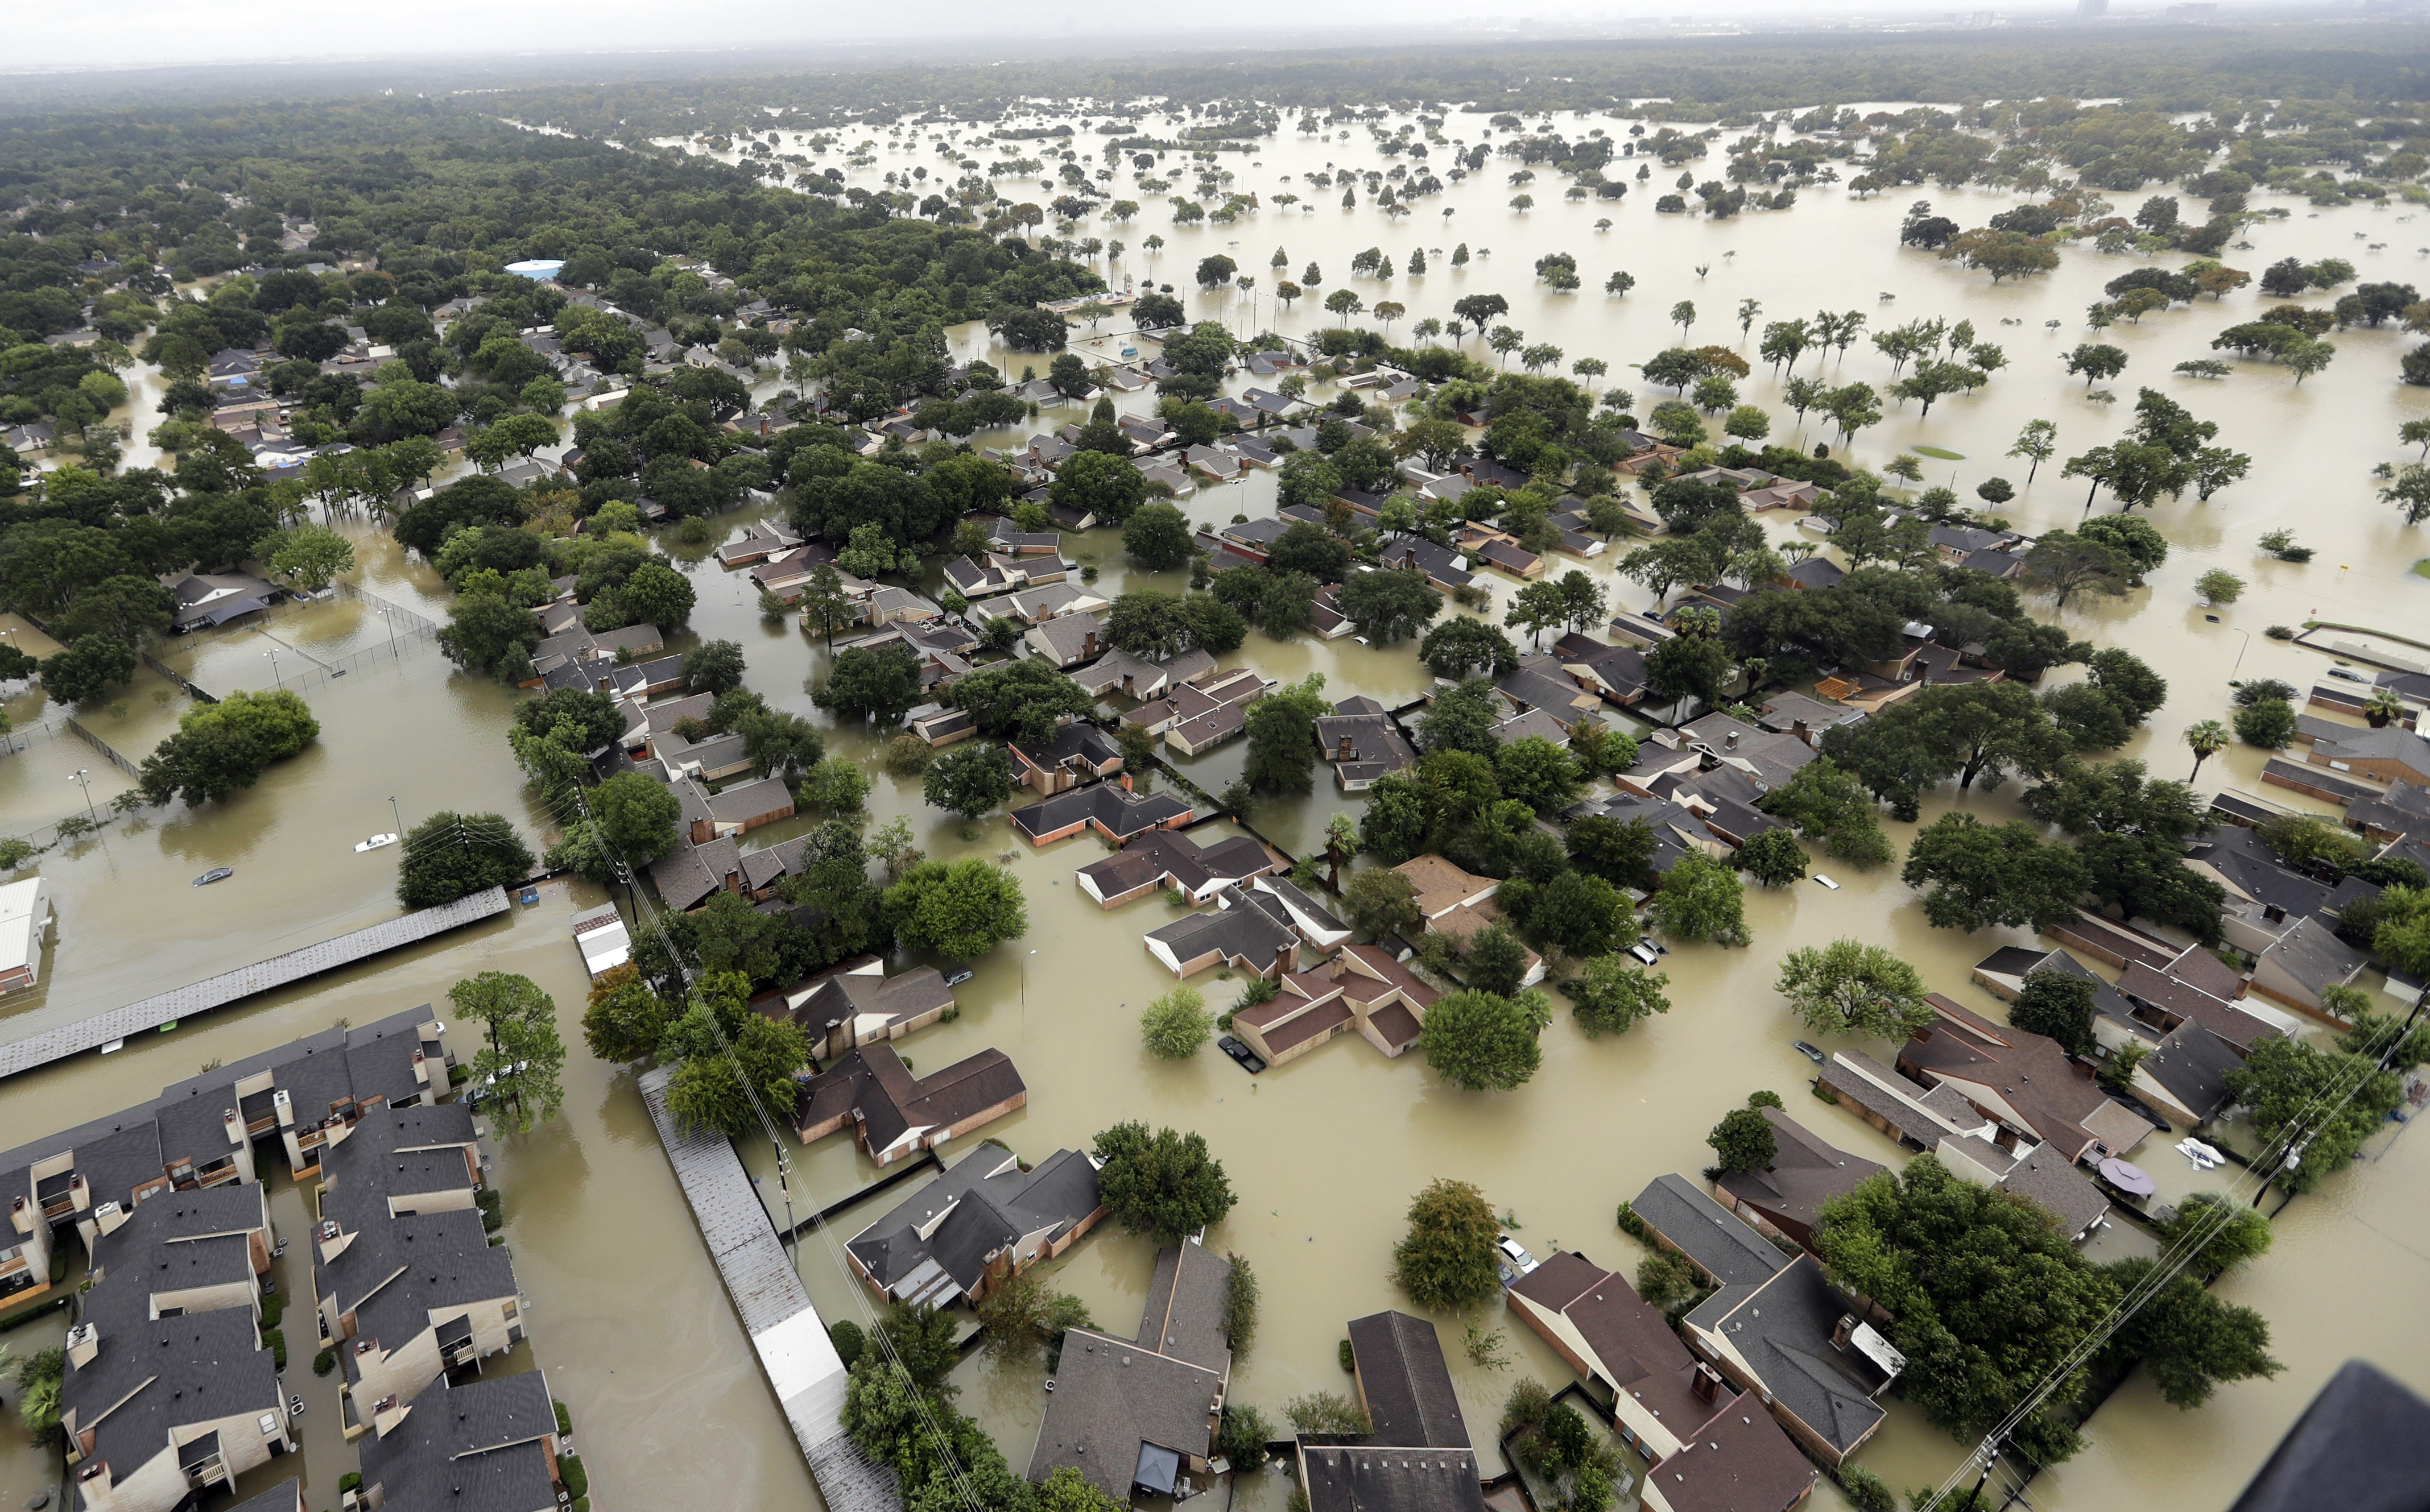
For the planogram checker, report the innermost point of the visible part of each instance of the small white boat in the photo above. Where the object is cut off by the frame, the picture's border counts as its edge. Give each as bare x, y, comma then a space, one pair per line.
374, 843
1826, 882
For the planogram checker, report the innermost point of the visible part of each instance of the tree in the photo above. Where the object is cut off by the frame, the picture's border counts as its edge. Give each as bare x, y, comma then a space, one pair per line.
1610, 994
1176, 1025
1157, 537
1383, 902
522, 1058
968, 780
1773, 858
1743, 1141
713, 667
1985, 1293
1093, 483
2270, 725
1537, 772
1849, 987
635, 816
2096, 362
2063, 564
1688, 666
729, 1053
624, 1019
1282, 736
1388, 605
1164, 1185
1495, 961
1021, 700
878, 685
1459, 646
1700, 899
2297, 1092
2220, 586
2410, 492
2229, 1231
450, 855
87, 668
2131, 835
2057, 1004
960, 909
1480, 1040
824, 603
1445, 1260
2188, 1341
1022, 1315
2207, 739
308, 555
1975, 874
221, 747
1832, 808
486, 633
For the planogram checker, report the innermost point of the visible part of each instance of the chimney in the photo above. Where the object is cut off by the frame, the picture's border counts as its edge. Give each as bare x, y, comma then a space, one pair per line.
1802, 734
1088, 645
286, 1106
84, 1345
1347, 750
2273, 913
234, 1125
20, 1215
1730, 740
1706, 1383
1842, 1330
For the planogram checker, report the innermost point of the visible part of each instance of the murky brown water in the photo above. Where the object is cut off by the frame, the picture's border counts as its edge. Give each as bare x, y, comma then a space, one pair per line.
631, 1324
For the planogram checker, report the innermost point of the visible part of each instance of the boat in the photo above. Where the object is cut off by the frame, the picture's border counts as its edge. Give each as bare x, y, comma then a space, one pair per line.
374, 843
1807, 1051
217, 874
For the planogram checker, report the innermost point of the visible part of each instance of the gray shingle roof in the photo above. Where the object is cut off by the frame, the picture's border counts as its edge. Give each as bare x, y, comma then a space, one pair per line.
1707, 1232
1407, 1386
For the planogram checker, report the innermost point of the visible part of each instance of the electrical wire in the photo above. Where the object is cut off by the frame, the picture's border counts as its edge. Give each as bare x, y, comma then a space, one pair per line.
2281, 1151
653, 922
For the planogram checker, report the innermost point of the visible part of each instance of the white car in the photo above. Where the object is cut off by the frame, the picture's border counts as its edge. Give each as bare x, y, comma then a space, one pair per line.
1512, 1259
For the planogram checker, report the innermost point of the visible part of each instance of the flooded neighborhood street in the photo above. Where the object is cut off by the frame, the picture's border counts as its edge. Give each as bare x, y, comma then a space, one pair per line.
629, 1318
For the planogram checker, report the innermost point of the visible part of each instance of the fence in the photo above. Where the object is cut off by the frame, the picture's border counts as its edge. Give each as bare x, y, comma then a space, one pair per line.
103, 746
193, 691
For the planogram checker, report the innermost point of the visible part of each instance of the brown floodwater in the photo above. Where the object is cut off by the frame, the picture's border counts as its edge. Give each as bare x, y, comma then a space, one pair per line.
630, 1318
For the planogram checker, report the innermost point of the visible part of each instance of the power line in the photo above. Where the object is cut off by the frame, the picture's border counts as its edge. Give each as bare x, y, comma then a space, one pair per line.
652, 924
2282, 1153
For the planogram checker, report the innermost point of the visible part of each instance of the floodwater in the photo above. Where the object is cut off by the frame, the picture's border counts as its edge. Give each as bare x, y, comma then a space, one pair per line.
1325, 1154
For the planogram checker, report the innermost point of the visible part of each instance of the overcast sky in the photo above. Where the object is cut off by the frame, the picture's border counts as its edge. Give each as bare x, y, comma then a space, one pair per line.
147, 32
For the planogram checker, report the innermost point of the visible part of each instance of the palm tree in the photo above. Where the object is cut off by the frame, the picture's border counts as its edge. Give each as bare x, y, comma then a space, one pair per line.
2384, 708
2208, 739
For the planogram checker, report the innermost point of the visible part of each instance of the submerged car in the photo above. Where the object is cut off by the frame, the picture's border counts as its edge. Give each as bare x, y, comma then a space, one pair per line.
1512, 1260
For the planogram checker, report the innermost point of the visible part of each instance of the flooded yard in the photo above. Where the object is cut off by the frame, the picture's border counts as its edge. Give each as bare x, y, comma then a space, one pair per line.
629, 1319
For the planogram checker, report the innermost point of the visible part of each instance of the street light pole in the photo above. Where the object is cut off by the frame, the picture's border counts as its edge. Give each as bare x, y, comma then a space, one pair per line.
274, 670
83, 776
396, 815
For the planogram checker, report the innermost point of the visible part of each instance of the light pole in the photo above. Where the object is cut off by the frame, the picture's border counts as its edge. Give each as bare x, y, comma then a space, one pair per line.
391, 629
274, 670
396, 815
83, 776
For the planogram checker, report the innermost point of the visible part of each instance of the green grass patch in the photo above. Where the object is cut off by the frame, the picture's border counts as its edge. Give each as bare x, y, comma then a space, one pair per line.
1942, 452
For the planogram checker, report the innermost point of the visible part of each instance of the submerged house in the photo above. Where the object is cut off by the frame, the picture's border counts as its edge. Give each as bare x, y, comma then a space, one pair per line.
1139, 1415
1362, 990
1416, 1454
891, 1116
985, 1219
1705, 1444
856, 1004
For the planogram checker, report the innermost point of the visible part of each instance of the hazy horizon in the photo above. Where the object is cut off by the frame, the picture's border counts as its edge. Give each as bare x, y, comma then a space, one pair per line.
149, 34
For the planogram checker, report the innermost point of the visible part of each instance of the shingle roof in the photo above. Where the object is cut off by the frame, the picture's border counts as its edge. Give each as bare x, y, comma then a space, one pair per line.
1407, 1386
1707, 1232
1783, 1329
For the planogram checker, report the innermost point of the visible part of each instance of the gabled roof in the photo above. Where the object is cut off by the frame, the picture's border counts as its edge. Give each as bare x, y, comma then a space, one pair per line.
872, 1083
1406, 1385
1707, 1232
1804, 1173
1784, 1329
1741, 1461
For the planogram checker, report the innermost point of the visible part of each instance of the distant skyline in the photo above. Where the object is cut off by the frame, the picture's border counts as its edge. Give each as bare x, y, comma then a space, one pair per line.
150, 33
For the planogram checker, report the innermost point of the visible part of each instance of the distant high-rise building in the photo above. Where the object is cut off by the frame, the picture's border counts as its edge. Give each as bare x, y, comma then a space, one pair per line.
2092, 10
